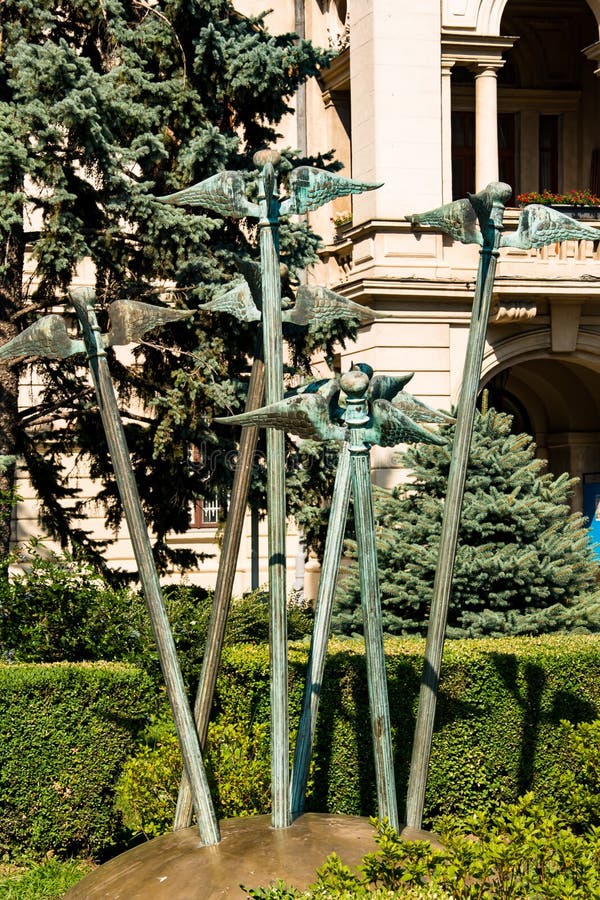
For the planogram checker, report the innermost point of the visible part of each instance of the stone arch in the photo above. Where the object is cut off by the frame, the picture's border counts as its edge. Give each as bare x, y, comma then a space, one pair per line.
561, 394
489, 15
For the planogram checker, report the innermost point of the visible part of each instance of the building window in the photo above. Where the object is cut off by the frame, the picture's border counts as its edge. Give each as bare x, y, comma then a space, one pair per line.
463, 151
206, 513
506, 150
548, 153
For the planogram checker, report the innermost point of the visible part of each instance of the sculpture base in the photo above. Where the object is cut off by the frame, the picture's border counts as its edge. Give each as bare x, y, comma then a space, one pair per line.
176, 866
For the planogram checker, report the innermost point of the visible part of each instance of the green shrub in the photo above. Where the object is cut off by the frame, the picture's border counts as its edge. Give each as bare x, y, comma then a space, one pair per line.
498, 726
146, 793
522, 850
63, 609
237, 766
573, 784
66, 732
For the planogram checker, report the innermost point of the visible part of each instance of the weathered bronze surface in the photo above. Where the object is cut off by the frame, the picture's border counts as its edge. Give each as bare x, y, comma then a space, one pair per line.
374, 414
176, 867
225, 193
538, 226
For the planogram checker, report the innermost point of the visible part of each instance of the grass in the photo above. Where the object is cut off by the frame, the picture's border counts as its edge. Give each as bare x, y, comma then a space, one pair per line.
48, 880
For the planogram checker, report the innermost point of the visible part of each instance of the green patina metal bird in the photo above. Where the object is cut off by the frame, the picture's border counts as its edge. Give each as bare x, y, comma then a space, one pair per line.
311, 414
389, 426
129, 322
223, 193
317, 305
310, 188
236, 300
541, 225
47, 337
457, 219
314, 307
391, 387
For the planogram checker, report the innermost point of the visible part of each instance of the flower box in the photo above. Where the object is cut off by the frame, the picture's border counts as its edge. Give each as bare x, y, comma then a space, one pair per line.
576, 204
589, 213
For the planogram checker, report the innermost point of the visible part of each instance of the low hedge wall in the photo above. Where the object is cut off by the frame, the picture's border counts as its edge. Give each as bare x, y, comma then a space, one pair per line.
497, 725
65, 731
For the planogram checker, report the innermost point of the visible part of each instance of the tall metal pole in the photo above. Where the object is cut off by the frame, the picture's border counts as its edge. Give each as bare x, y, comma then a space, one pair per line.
273, 345
238, 503
117, 445
355, 384
318, 647
489, 207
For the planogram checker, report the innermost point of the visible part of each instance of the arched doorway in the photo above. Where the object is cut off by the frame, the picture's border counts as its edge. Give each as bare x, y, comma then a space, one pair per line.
557, 400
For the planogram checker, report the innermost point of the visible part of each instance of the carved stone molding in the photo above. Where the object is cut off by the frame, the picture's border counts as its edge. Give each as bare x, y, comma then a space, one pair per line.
503, 313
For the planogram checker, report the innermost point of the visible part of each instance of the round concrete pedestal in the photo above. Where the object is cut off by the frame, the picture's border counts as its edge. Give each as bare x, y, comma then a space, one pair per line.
177, 867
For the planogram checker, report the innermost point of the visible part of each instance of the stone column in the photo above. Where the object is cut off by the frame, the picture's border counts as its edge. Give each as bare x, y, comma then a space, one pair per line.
486, 123
446, 130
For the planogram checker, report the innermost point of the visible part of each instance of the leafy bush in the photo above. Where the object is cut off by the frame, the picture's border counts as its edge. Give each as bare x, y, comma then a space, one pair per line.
63, 609
522, 850
237, 766
573, 784
498, 727
146, 792
66, 732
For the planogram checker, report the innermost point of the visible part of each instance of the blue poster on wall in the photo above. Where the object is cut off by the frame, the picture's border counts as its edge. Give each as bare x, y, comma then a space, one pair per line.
591, 508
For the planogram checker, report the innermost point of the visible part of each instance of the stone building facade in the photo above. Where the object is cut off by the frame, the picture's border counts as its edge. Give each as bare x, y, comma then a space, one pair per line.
435, 99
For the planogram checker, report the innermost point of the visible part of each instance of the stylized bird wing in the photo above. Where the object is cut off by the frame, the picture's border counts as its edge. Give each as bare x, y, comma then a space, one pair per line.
457, 219
303, 414
419, 411
329, 389
47, 337
385, 387
317, 305
310, 188
224, 193
130, 320
389, 426
236, 301
540, 225
251, 272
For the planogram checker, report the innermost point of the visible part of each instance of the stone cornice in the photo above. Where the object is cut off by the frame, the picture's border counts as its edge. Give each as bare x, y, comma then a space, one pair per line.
467, 49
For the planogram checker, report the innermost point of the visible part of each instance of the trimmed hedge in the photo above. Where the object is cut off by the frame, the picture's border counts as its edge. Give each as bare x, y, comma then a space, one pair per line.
65, 731
497, 726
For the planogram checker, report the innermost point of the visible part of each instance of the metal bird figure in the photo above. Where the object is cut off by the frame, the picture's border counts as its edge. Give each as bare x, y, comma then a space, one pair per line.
237, 301
251, 271
385, 387
224, 193
540, 225
130, 320
308, 414
419, 411
457, 219
389, 426
317, 305
391, 387
310, 188
46, 337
